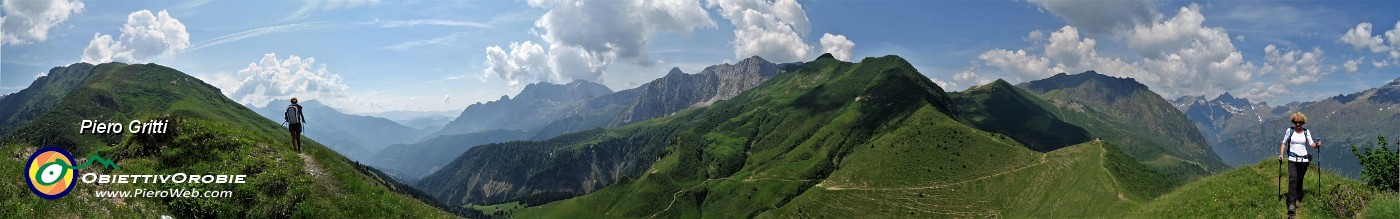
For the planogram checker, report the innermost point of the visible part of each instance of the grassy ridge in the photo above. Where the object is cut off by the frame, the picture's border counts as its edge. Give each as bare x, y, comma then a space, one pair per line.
209, 134
1251, 191
1074, 181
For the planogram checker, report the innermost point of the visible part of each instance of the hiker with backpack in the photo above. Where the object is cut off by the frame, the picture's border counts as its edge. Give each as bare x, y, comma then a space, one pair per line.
294, 120
1294, 150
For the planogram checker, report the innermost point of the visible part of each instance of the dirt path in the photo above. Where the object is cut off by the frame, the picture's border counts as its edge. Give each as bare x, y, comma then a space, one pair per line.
310, 166
939, 186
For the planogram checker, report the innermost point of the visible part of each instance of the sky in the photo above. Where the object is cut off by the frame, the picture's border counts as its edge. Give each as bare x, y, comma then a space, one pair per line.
367, 56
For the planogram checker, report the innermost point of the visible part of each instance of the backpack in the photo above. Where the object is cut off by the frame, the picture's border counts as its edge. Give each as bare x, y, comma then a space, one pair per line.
293, 115
1289, 140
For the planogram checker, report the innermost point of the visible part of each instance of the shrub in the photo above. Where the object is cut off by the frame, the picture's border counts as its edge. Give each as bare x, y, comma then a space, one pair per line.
1378, 165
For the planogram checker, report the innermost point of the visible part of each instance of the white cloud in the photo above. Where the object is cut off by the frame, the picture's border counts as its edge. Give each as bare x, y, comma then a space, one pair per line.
1178, 56
144, 36
273, 78
525, 62
968, 76
1306, 67
1360, 38
1018, 63
1065, 52
947, 86
28, 21
103, 48
1265, 91
583, 38
838, 46
1188, 57
1035, 36
773, 30
1069, 51
618, 29
1394, 36
1350, 65
1102, 17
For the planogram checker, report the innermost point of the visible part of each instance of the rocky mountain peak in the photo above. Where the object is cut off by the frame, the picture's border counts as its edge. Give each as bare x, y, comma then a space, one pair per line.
578, 89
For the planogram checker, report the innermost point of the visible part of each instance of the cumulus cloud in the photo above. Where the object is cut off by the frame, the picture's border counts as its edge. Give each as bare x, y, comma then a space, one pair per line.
617, 29
524, 62
581, 38
947, 86
1394, 36
1294, 67
28, 21
273, 78
1350, 65
1360, 38
838, 46
773, 30
1065, 52
1263, 91
1188, 57
1102, 17
144, 36
1176, 56
1018, 63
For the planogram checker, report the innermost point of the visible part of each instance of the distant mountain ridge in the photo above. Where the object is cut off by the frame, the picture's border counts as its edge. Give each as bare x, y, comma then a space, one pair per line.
1341, 121
574, 112
355, 136
677, 90
1147, 126
536, 106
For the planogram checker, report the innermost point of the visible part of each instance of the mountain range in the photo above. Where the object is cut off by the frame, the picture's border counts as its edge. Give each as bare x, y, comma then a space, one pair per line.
1341, 121
830, 132
551, 110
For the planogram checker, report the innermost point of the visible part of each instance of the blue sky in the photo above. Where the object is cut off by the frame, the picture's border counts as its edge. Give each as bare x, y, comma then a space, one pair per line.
372, 56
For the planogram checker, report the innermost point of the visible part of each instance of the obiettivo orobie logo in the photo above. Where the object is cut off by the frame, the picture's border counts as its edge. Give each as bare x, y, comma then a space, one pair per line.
51, 172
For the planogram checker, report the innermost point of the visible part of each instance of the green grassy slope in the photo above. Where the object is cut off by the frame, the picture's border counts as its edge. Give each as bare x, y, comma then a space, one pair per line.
1002, 108
835, 138
21, 107
209, 134
1078, 181
1251, 192
1125, 112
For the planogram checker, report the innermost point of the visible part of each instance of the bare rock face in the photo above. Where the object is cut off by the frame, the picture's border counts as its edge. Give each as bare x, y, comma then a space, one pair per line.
679, 91
537, 105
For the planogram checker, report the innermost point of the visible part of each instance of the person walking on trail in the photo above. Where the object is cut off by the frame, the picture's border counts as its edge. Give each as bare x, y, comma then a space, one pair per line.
294, 120
1294, 150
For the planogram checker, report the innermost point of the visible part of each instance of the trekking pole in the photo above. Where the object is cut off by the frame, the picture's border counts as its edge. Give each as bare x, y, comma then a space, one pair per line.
1319, 166
1279, 175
